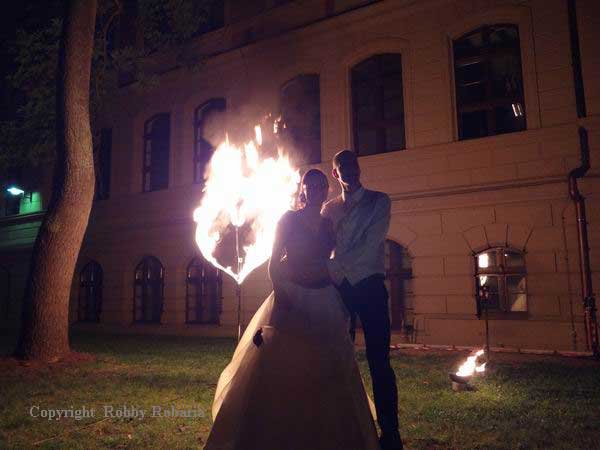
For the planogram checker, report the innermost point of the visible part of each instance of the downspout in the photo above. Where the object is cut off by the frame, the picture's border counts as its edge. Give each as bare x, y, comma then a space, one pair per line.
576, 60
589, 301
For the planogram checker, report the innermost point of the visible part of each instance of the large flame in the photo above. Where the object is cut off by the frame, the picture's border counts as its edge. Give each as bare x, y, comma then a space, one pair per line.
470, 366
243, 189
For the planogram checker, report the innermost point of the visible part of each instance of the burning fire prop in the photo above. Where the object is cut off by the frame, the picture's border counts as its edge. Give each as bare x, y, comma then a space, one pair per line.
460, 379
244, 196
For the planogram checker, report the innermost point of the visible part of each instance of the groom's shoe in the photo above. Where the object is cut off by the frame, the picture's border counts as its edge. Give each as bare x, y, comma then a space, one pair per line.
391, 441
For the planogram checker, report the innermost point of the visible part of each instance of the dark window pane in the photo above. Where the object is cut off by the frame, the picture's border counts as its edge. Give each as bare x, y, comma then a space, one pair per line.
490, 290
90, 292
367, 140
378, 104
203, 293
12, 204
473, 124
513, 259
209, 133
4, 292
148, 290
489, 81
300, 128
103, 161
156, 153
395, 138
506, 121
214, 11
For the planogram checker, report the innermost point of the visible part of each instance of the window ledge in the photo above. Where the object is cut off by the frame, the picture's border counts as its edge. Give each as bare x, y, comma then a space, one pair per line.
506, 315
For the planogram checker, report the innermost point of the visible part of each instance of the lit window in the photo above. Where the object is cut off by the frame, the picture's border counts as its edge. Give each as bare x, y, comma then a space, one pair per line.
378, 105
156, 153
207, 134
204, 285
489, 82
149, 284
501, 280
90, 292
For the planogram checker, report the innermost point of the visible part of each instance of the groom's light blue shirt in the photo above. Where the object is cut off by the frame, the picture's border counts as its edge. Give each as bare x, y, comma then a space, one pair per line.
361, 221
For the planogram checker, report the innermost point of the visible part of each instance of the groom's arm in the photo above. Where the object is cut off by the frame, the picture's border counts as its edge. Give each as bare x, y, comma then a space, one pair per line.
373, 236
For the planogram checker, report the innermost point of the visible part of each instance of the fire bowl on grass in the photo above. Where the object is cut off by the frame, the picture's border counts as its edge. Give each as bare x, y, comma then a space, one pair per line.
460, 379
460, 383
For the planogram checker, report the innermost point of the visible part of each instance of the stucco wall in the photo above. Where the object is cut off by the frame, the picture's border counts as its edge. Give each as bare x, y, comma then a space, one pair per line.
450, 198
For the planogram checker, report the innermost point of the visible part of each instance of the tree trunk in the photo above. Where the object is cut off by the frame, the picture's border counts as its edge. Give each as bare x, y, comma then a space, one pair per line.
45, 325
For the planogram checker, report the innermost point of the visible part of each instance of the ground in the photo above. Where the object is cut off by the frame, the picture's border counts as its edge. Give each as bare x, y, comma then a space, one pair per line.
524, 402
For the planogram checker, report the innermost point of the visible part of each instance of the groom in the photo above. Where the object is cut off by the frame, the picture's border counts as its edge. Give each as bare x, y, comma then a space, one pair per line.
361, 219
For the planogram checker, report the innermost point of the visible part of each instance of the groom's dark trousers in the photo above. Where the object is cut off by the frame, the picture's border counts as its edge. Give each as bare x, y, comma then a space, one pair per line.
369, 300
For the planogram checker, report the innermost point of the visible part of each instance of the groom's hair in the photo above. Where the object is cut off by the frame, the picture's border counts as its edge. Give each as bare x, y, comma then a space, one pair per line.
346, 155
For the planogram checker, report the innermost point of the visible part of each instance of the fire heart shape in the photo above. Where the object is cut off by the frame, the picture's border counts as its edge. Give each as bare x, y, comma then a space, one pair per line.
244, 198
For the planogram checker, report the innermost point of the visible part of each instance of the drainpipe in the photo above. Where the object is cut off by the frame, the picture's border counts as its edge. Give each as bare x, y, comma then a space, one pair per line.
589, 301
576, 60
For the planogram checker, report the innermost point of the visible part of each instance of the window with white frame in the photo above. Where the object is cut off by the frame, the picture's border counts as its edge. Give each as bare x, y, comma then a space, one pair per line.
501, 280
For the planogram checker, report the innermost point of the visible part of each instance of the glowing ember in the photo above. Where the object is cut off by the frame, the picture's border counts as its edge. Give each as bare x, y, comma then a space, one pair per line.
470, 366
241, 190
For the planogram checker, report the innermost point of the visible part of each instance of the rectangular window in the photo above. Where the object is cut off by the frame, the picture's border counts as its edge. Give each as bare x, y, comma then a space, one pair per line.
103, 165
157, 135
489, 82
209, 132
12, 205
300, 123
501, 280
378, 105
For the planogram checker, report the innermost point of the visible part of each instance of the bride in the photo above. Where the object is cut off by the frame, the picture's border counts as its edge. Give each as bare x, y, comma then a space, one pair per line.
293, 382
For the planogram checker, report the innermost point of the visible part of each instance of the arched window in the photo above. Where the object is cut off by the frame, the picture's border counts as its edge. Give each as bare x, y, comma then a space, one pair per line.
378, 104
398, 275
300, 123
204, 286
149, 285
489, 82
4, 292
90, 292
501, 280
207, 135
157, 132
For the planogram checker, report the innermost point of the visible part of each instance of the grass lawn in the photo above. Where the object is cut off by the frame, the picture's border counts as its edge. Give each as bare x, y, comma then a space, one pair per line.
525, 402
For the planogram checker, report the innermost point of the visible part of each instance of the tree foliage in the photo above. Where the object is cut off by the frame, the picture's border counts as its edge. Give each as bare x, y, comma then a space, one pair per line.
28, 138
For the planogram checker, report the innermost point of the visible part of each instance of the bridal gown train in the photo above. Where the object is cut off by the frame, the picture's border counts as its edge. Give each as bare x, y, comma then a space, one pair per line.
293, 382
298, 389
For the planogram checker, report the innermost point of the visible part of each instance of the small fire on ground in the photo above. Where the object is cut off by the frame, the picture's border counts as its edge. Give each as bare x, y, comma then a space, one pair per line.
470, 366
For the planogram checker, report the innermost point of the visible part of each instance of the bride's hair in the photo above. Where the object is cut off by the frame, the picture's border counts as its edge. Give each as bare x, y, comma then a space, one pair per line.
315, 174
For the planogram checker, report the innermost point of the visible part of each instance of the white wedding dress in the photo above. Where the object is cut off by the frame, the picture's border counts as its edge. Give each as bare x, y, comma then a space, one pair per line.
293, 382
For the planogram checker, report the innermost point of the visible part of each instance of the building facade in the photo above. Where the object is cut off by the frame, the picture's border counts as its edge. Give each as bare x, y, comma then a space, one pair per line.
470, 114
